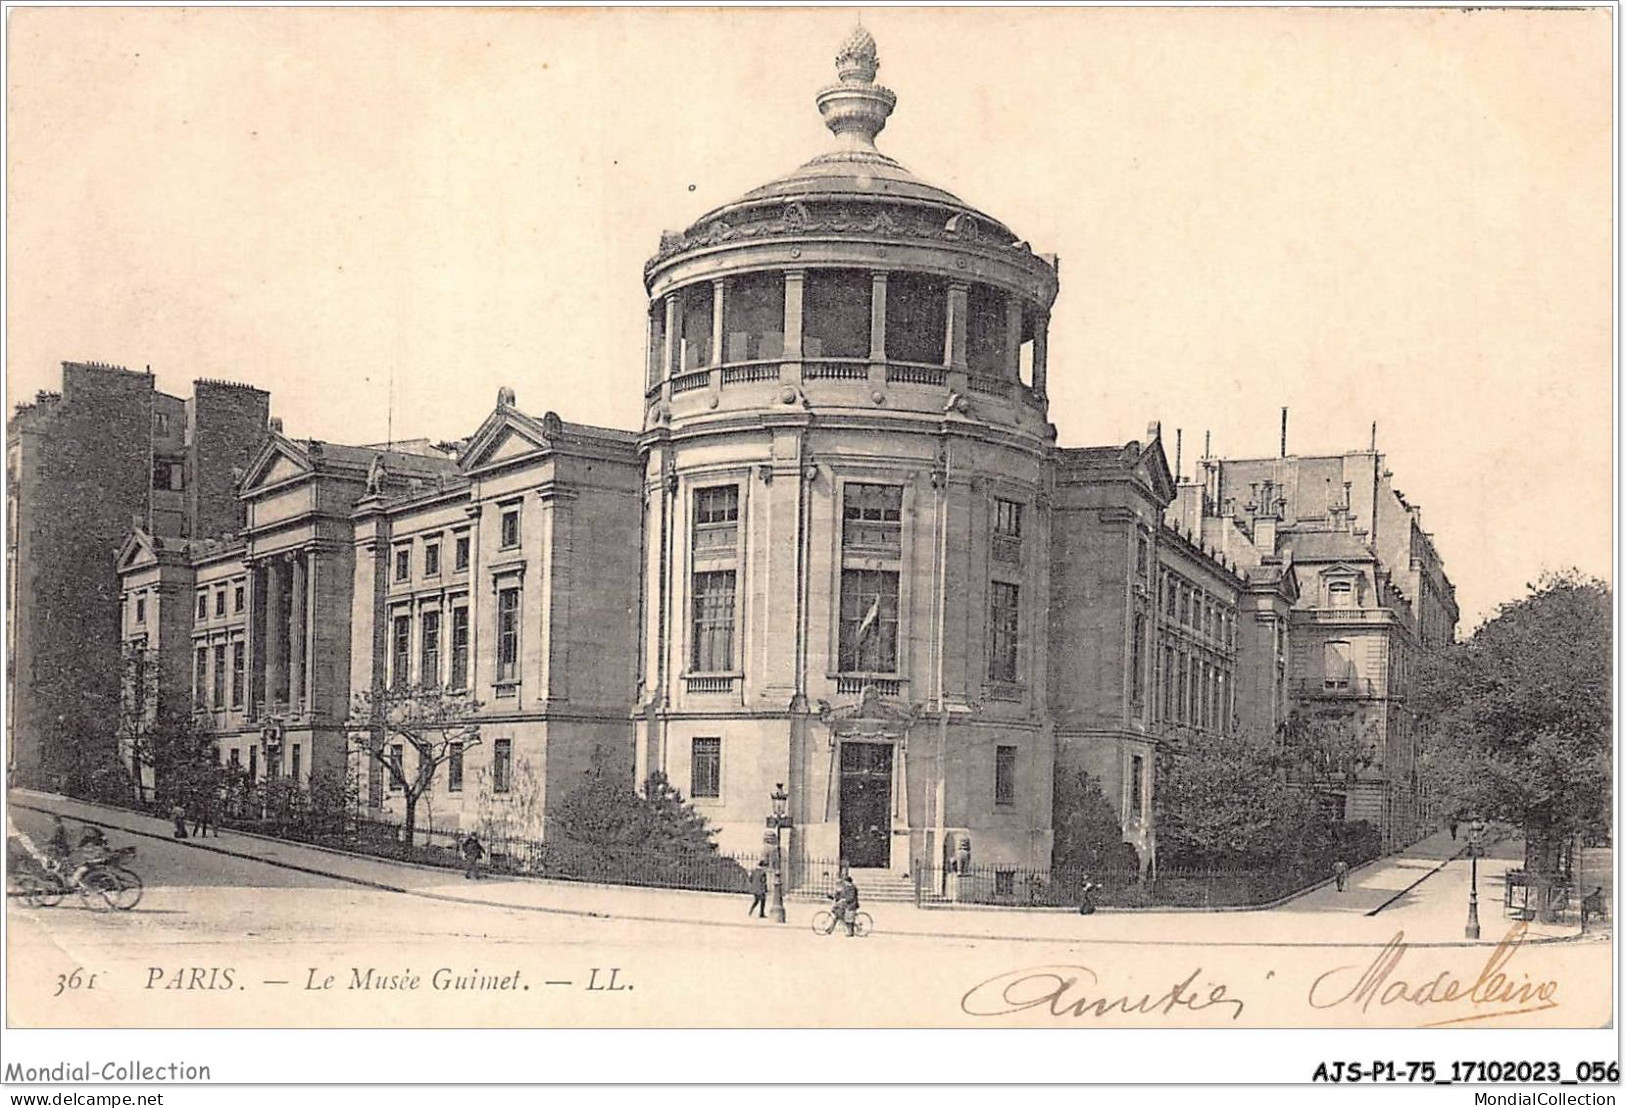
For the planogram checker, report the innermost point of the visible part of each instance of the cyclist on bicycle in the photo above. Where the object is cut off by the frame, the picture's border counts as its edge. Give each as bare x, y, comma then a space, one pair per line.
846, 904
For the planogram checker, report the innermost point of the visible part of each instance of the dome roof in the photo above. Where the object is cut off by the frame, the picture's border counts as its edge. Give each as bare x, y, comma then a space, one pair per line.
855, 109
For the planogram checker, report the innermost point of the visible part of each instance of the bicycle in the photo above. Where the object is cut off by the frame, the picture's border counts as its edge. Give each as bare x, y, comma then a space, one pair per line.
127, 889
823, 922
102, 883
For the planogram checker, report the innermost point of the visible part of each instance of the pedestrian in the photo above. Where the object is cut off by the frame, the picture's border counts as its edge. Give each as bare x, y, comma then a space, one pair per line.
1340, 871
472, 853
58, 841
1453, 830
758, 890
846, 904
1086, 897
200, 815
178, 815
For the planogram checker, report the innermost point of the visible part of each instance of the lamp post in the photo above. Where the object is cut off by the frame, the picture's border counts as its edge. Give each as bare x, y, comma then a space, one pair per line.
776, 823
1475, 839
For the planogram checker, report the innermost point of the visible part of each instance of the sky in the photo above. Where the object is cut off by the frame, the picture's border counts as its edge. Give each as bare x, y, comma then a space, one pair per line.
384, 216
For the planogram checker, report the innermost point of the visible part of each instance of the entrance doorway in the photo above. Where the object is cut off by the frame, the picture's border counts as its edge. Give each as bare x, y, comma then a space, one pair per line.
866, 804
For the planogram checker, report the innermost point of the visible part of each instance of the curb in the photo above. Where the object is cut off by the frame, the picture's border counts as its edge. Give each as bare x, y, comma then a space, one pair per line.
583, 913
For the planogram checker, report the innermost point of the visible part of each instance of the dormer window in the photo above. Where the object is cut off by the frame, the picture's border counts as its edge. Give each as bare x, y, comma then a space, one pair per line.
1340, 594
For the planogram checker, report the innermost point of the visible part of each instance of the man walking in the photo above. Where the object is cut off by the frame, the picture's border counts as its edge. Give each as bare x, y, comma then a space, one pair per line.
1340, 871
472, 853
758, 890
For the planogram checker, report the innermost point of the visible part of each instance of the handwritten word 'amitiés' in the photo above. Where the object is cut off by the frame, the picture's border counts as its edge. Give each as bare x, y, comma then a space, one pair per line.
1494, 992
1068, 991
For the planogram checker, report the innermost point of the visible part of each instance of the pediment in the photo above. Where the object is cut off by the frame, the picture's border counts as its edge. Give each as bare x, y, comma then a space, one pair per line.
136, 552
278, 461
1151, 468
507, 435
1342, 569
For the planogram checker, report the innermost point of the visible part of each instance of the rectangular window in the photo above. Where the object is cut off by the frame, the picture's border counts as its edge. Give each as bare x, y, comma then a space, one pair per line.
1168, 682
253, 763
459, 648
510, 528
716, 520
713, 622
868, 621
1142, 556
403, 564
460, 553
705, 779
454, 768
200, 676
294, 764
141, 609
1004, 775
1007, 518
508, 635
431, 559
401, 653
397, 763
238, 600
203, 605
1006, 628
236, 758
239, 652
1136, 660
1136, 796
1339, 665
502, 766
1342, 594
872, 517
220, 603
429, 667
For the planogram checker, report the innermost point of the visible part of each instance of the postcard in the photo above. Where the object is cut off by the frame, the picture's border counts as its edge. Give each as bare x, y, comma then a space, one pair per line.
809, 519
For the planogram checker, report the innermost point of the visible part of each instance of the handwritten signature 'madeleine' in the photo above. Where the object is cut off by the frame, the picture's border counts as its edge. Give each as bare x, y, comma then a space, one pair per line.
1492, 993
1064, 990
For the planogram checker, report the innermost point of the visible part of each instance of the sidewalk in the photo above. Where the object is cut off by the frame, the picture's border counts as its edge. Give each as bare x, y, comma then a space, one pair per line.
1302, 922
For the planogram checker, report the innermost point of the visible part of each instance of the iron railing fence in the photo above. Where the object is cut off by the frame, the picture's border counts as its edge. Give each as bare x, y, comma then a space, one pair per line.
1167, 886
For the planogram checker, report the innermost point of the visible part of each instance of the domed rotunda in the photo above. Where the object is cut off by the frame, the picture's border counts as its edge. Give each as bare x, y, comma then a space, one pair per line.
847, 440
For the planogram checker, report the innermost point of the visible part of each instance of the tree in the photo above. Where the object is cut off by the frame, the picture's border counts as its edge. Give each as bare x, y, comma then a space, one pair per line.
608, 813
1225, 800
1520, 716
1088, 835
179, 750
1328, 748
434, 724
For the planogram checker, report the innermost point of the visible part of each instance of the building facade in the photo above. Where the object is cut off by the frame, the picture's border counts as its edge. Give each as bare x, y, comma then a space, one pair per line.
844, 555
107, 452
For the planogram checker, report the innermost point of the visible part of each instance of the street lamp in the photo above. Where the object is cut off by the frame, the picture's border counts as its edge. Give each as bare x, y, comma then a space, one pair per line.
776, 823
1475, 841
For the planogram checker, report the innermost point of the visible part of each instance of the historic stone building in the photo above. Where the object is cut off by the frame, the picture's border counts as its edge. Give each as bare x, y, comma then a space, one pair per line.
1371, 597
515, 581
844, 555
84, 464
846, 509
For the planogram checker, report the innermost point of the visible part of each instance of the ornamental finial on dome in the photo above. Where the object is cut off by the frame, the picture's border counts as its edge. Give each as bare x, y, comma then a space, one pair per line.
856, 109
858, 59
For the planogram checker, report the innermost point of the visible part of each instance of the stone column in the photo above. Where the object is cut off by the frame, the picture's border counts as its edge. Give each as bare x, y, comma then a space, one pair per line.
794, 286
717, 332
674, 346
1041, 356
276, 634
1012, 337
297, 629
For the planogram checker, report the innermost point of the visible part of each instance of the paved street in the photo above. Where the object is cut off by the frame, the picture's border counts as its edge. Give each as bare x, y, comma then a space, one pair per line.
273, 912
